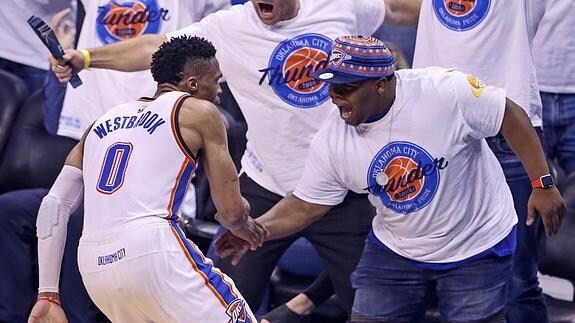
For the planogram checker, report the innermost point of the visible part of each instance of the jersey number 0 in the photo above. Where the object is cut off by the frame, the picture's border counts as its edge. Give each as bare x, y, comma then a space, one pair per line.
114, 167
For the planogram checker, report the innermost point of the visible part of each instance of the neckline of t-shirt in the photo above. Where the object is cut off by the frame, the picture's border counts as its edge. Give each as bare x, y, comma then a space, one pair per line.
389, 115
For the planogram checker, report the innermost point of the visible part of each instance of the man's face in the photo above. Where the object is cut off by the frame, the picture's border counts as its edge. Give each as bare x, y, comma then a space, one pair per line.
356, 101
271, 12
208, 86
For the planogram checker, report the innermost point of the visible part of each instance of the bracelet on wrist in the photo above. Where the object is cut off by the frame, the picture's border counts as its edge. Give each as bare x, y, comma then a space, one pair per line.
87, 57
51, 299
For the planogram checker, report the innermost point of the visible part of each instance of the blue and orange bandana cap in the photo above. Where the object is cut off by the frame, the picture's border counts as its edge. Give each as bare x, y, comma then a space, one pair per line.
356, 58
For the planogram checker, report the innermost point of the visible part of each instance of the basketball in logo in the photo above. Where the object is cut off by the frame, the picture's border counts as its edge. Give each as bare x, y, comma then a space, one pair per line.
459, 7
119, 20
461, 15
126, 28
289, 67
412, 176
299, 64
403, 183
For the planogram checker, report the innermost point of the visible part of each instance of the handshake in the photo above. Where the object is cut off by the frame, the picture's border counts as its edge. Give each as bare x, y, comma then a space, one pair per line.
239, 237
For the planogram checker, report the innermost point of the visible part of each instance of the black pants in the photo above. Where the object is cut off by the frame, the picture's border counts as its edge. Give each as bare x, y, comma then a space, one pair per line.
338, 237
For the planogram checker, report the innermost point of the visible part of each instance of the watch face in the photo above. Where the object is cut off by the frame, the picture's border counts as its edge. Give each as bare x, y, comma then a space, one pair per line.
547, 181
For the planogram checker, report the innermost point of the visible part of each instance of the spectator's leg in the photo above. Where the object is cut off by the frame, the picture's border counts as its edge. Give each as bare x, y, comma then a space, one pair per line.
18, 267
320, 290
389, 288
33, 77
474, 292
339, 238
566, 144
550, 124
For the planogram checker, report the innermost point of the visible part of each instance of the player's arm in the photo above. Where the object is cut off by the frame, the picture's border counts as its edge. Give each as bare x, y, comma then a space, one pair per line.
522, 138
129, 55
202, 127
402, 12
51, 226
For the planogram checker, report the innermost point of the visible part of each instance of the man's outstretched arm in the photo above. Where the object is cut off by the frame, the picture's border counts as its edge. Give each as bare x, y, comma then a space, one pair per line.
288, 216
129, 55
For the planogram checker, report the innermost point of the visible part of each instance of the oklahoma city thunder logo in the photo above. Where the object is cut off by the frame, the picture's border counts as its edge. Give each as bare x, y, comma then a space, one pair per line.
289, 67
461, 15
117, 22
404, 176
237, 311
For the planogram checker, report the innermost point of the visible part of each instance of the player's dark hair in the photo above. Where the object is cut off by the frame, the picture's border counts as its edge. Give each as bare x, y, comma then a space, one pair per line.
181, 53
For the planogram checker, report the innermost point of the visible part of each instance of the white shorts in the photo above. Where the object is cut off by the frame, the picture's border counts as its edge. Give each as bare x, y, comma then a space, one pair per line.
150, 272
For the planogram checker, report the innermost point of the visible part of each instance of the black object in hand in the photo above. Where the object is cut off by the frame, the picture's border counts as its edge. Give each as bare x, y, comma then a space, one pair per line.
48, 37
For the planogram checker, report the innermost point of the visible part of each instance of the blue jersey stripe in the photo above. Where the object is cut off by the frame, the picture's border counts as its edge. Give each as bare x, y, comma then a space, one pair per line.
205, 267
181, 188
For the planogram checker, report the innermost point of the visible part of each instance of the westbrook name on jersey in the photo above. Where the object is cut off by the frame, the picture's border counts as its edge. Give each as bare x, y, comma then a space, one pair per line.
148, 121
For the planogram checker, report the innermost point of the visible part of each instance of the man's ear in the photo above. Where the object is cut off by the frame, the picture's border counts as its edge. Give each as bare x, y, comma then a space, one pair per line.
192, 84
381, 85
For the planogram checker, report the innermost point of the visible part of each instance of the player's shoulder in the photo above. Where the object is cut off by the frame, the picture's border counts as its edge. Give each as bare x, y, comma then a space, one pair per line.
198, 112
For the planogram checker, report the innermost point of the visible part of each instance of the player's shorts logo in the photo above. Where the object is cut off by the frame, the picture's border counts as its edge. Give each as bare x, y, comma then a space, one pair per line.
461, 15
404, 176
237, 311
289, 67
117, 22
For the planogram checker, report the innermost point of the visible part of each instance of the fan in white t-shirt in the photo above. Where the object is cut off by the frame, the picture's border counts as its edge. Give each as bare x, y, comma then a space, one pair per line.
414, 140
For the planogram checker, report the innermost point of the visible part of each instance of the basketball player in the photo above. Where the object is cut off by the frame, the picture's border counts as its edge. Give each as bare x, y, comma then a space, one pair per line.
134, 165
445, 216
266, 49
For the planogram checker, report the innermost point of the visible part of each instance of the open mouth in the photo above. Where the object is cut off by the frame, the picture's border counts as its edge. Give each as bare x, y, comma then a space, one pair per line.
345, 112
266, 8
266, 12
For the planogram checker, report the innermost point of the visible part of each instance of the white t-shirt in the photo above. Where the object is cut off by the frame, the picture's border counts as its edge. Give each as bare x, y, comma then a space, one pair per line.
489, 38
257, 60
446, 199
18, 42
131, 147
554, 48
105, 23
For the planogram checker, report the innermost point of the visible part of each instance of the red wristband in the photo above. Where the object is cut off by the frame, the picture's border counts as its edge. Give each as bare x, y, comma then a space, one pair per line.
51, 299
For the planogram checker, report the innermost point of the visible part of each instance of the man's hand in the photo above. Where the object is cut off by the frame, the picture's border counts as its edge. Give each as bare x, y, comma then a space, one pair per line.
250, 231
47, 312
550, 206
62, 70
230, 245
63, 28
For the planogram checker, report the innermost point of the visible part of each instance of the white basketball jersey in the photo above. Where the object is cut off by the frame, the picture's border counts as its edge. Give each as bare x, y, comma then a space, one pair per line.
135, 164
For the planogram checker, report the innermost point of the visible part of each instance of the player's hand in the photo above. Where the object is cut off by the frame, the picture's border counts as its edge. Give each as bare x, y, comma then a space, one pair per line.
550, 206
63, 28
252, 232
61, 68
47, 312
229, 245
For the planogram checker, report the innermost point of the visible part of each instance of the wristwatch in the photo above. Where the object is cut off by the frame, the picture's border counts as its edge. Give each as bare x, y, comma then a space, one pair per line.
545, 181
